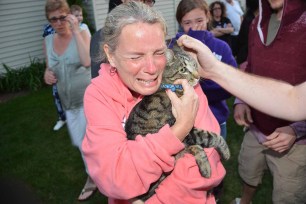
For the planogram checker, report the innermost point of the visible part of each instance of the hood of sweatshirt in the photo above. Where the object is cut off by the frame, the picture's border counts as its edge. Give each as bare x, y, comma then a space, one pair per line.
109, 84
291, 12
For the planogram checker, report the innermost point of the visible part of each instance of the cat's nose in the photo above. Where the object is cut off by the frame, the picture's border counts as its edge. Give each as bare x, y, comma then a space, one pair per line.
196, 74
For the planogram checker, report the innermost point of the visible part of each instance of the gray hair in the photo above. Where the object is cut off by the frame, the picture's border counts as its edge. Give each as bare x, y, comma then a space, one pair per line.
126, 14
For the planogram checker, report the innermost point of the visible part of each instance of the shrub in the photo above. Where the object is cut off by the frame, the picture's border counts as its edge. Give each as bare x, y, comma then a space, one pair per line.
26, 78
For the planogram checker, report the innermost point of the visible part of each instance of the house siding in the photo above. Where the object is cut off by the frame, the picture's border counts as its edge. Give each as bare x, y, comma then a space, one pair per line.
21, 32
165, 7
21, 26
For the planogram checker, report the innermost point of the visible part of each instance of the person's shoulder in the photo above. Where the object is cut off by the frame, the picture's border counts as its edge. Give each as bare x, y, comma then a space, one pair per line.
84, 26
221, 46
49, 37
226, 19
47, 30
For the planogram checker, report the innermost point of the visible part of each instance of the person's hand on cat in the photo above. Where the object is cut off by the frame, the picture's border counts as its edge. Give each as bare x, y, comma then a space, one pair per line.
184, 109
202, 53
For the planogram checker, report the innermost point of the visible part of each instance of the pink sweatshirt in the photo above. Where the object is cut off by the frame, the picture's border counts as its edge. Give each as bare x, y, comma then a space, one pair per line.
124, 169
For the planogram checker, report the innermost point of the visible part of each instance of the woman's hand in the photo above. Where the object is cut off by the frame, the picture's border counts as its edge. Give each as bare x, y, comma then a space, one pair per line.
201, 52
73, 23
184, 109
49, 77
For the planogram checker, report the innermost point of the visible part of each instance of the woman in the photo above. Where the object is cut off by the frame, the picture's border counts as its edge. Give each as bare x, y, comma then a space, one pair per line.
123, 169
68, 61
193, 16
221, 26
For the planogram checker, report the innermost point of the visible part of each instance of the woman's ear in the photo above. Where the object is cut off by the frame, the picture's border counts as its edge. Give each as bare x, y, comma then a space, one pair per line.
109, 55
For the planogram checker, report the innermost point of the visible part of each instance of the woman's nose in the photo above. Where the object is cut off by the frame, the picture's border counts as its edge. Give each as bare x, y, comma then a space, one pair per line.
150, 66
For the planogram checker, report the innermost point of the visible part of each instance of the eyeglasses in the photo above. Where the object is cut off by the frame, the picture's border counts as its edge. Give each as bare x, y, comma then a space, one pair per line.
215, 9
54, 19
149, 2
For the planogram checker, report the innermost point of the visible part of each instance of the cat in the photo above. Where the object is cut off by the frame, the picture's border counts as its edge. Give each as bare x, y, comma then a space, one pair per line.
154, 111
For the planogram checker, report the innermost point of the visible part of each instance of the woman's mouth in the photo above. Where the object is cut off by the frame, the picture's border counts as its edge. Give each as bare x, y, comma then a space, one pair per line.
147, 82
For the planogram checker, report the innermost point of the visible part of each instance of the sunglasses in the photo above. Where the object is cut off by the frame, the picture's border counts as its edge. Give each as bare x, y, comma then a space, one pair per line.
54, 19
149, 2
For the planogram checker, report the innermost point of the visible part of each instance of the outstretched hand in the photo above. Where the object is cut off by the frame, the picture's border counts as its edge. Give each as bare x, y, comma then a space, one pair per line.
201, 52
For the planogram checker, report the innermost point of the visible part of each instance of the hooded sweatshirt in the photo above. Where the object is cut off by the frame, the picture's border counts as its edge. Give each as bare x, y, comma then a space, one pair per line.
215, 94
283, 59
123, 169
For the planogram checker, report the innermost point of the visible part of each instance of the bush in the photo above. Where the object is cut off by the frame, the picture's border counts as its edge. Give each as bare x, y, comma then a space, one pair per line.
26, 78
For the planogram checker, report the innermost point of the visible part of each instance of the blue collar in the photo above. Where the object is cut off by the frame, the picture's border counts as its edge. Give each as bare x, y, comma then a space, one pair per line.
172, 87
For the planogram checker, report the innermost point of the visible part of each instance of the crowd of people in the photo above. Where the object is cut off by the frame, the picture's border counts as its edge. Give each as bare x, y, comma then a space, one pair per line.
98, 79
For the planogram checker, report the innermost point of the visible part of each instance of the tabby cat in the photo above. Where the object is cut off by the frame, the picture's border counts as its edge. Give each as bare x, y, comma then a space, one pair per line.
154, 111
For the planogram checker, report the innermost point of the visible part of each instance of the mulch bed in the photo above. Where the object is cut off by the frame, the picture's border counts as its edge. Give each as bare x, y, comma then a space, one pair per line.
4, 97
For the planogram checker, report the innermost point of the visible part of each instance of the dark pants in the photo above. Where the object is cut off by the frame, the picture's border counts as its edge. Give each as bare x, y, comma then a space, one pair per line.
58, 104
234, 44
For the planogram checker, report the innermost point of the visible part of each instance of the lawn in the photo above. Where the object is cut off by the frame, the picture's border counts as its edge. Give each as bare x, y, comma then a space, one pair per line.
47, 164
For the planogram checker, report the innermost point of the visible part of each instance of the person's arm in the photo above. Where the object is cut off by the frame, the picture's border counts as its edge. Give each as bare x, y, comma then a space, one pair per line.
122, 168
82, 40
273, 97
212, 90
186, 185
49, 76
227, 30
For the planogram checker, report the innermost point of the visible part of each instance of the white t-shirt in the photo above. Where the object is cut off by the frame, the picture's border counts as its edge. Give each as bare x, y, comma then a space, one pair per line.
234, 13
83, 26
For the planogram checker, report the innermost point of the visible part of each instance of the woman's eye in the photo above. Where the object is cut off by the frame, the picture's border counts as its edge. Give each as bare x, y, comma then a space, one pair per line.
135, 57
160, 53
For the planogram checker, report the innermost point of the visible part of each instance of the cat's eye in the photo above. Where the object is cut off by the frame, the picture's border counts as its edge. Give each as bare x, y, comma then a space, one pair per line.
182, 70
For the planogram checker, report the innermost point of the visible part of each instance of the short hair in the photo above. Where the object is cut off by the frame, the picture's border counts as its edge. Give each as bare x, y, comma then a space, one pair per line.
127, 14
54, 5
223, 8
75, 7
186, 6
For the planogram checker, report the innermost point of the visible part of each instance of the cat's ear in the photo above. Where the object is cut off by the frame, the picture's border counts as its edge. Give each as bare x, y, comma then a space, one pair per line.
169, 55
109, 55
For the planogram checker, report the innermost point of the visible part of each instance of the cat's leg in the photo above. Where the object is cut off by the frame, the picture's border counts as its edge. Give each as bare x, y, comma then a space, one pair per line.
201, 159
209, 139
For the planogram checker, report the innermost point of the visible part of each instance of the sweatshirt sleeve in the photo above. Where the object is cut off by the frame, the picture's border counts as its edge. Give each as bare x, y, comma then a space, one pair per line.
186, 183
123, 168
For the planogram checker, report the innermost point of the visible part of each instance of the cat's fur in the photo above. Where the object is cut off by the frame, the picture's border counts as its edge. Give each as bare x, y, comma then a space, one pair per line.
154, 111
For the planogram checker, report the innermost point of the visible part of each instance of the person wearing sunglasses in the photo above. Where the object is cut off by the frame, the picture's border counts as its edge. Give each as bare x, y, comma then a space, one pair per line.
68, 66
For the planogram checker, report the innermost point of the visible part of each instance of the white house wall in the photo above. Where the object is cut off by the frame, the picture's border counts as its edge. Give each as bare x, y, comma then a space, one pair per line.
21, 25
166, 7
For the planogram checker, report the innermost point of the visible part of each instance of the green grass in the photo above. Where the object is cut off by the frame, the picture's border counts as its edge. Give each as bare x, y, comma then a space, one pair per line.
47, 163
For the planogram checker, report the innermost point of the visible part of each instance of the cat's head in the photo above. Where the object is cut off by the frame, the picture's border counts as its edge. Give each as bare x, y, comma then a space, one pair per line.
180, 65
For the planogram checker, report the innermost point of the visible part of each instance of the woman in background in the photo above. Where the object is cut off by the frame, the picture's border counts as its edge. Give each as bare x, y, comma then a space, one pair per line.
221, 26
68, 62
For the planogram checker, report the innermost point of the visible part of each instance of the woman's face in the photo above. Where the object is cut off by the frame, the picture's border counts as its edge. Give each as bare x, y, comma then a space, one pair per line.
194, 19
58, 21
140, 57
217, 12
